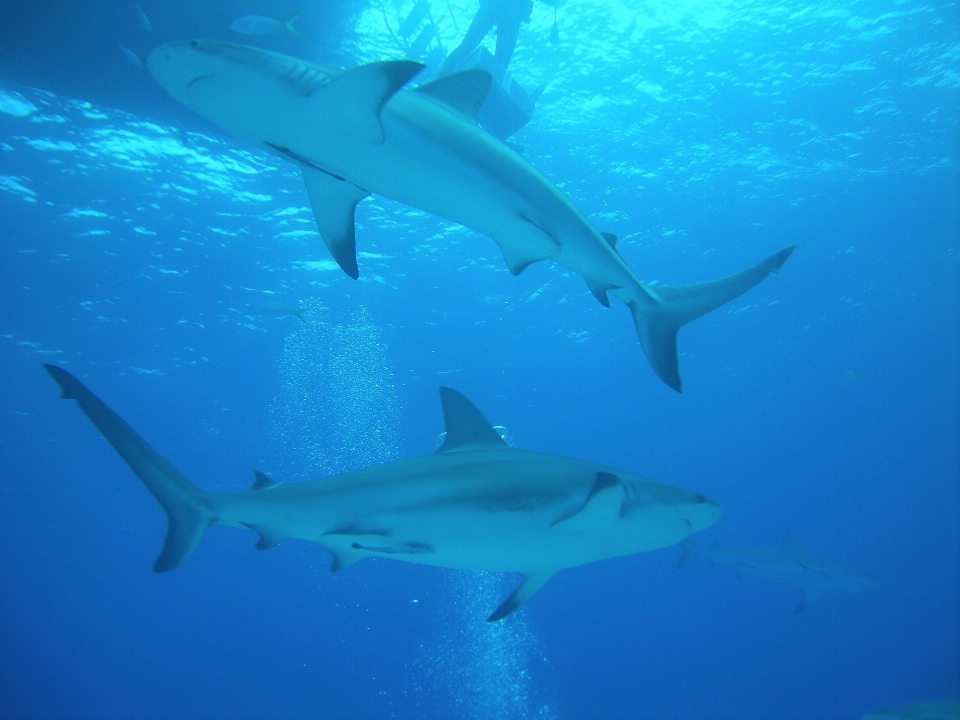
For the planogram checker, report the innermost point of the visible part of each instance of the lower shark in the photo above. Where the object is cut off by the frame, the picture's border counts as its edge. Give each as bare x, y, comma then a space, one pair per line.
476, 504
786, 564
358, 132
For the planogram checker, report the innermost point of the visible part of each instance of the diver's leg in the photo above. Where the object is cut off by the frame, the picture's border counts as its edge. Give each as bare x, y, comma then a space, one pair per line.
483, 21
507, 31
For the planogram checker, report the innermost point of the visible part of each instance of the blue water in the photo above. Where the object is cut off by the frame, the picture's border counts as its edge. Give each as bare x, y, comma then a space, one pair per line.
141, 248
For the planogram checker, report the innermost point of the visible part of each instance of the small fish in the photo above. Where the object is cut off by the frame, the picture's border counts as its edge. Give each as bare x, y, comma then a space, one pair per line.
260, 25
279, 309
144, 20
132, 57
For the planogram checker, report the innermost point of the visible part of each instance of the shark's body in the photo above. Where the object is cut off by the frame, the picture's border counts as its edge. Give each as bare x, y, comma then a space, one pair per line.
356, 132
476, 504
787, 564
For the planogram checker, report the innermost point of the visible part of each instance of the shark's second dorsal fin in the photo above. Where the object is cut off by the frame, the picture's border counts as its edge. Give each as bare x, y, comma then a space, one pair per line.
351, 102
262, 481
610, 238
462, 92
467, 428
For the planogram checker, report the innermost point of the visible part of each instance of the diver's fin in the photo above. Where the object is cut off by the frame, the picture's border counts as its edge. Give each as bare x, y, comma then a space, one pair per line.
351, 102
662, 310
467, 428
188, 508
463, 92
532, 582
334, 202
603, 502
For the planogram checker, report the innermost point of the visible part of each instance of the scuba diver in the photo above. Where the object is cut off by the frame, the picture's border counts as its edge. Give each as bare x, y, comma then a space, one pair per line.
507, 16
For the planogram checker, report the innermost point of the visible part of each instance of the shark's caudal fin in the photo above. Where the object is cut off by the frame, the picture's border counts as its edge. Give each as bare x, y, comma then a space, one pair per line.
663, 310
188, 507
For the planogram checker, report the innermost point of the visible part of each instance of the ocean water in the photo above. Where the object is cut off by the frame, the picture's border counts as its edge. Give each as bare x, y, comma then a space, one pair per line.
153, 256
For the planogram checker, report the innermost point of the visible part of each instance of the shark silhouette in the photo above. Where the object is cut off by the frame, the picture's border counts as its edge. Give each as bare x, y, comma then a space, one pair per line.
476, 504
786, 564
357, 132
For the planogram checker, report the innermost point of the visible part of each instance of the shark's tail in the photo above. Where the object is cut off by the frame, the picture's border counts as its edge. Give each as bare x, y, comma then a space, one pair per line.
661, 311
189, 509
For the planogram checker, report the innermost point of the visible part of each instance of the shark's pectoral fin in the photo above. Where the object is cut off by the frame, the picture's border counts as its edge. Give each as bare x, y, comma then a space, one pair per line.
604, 501
659, 312
333, 202
532, 582
351, 102
462, 92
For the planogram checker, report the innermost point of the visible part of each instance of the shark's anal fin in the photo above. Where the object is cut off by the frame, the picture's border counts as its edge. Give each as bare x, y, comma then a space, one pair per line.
262, 481
604, 501
467, 428
462, 92
334, 202
268, 538
532, 582
188, 508
351, 102
662, 310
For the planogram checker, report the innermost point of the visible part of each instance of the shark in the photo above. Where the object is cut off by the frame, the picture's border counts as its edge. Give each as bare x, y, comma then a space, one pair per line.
787, 564
475, 504
358, 132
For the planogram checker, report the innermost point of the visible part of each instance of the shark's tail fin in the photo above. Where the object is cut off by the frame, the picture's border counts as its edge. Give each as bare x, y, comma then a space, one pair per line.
662, 310
688, 550
189, 509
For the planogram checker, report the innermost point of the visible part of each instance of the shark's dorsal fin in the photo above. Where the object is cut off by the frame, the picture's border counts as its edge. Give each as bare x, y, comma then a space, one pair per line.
610, 238
462, 92
532, 582
262, 481
791, 544
334, 202
351, 102
602, 502
467, 428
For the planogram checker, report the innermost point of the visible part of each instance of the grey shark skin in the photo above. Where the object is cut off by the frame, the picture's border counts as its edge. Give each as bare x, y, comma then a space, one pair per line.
357, 132
787, 564
476, 504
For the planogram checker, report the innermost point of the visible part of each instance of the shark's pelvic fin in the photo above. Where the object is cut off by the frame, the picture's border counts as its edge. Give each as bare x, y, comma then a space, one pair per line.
342, 554
334, 202
809, 596
262, 481
268, 538
603, 502
467, 428
532, 582
600, 290
462, 92
662, 310
688, 551
188, 508
351, 101
519, 259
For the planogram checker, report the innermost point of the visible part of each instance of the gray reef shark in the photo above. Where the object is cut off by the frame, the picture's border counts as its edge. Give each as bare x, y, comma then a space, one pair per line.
356, 132
476, 504
786, 564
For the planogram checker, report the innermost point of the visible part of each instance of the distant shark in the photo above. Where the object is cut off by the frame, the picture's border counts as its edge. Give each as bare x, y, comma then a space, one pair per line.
356, 132
786, 564
476, 504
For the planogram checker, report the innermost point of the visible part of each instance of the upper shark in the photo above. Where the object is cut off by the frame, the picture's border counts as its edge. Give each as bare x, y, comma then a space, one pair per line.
357, 132
476, 504
786, 564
